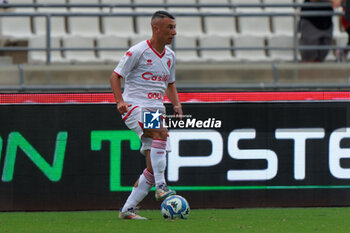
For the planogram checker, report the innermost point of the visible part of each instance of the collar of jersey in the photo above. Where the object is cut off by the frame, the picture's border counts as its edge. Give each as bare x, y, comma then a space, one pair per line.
155, 51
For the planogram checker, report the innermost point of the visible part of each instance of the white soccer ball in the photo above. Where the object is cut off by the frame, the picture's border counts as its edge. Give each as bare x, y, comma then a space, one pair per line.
175, 207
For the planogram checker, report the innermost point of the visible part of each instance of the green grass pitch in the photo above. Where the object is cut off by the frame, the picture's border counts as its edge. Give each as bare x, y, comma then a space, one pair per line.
269, 220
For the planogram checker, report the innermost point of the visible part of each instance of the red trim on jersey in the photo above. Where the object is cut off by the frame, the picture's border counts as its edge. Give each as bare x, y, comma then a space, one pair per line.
155, 51
118, 74
127, 115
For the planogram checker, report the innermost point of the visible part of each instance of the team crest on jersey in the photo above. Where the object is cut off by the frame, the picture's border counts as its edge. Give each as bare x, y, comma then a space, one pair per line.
149, 62
169, 63
128, 53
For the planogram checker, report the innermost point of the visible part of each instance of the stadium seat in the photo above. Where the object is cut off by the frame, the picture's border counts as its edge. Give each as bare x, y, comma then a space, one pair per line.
149, 1
331, 56
138, 38
338, 31
181, 1
281, 41
22, 2
118, 25
187, 25
61, 9
278, 1
253, 25
77, 56
113, 2
186, 42
245, 41
51, 2
223, 25
216, 41
282, 25
214, 1
143, 23
112, 56
57, 25
18, 27
87, 26
245, 1
40, 56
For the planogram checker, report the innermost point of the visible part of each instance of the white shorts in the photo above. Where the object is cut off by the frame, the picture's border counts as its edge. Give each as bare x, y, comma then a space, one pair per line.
134, 121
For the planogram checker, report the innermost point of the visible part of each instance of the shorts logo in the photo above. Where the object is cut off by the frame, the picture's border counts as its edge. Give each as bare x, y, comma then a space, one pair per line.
149, 62
152, 120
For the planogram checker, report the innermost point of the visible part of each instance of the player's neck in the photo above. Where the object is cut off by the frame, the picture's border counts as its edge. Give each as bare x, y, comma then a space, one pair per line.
157, 45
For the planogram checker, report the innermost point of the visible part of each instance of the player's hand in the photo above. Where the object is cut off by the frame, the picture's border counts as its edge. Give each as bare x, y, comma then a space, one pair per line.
178, 111
123, 107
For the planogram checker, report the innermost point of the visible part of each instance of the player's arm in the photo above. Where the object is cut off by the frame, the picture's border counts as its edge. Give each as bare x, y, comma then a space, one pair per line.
172, 95
115, 82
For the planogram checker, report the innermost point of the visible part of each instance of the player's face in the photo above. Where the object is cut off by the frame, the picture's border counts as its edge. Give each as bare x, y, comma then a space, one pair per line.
167, 30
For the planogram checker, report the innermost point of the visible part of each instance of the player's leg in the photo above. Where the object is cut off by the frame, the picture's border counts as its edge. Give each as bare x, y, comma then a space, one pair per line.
138, 193
146, 179
326, 38
157, 160
309, 36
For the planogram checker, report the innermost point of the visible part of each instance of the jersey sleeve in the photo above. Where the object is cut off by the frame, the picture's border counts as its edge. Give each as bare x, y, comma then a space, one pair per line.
127, 63
172, 71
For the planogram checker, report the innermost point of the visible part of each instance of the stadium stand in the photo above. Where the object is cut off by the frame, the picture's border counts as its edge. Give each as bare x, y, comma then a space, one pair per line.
17, 28
281, 41
244, 43
213, 41
112, 42
225, 26
253, 25
194, 28
118, 25
199, 32
40, 56
84, 25
138, 38
246, 1
186, 42
143, 22
281, 25
80, 56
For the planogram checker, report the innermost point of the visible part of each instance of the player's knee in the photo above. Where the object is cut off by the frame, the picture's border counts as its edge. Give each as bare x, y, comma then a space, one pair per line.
163, 134
157, 134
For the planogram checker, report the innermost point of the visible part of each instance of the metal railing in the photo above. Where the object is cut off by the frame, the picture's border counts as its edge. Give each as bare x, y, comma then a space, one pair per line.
48, 16
296, 15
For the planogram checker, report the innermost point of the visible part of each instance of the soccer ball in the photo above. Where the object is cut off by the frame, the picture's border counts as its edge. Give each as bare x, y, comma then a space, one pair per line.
175, 207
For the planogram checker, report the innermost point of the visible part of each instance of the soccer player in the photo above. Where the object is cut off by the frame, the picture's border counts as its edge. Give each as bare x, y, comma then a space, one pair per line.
148, 69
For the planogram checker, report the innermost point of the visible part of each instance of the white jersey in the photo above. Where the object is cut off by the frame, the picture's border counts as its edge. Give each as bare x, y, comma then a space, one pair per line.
147, 74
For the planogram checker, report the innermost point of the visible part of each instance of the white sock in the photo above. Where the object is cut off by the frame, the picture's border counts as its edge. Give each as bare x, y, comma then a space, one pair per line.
158, 160
146, 181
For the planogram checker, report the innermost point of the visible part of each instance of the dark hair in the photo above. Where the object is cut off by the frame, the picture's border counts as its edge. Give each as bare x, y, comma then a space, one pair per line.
162, 14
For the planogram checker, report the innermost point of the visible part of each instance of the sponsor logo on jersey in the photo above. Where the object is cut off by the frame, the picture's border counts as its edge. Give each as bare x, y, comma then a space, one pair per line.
154, 95
155, 77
